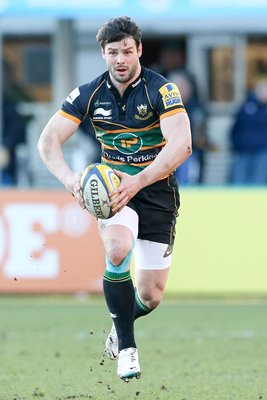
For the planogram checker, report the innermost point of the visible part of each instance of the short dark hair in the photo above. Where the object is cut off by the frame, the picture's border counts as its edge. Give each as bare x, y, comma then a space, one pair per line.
117, 29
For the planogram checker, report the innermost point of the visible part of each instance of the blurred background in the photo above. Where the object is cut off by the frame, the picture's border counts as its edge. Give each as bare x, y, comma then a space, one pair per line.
217, 55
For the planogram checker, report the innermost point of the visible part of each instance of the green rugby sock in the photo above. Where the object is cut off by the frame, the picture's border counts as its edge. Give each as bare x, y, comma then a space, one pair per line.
140, 309
119, 295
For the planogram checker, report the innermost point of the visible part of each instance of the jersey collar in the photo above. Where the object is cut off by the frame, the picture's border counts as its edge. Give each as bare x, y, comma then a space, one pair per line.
134, 84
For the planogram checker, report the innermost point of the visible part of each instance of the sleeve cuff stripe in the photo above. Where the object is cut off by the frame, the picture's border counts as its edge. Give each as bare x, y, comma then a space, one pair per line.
172, 112
64, 114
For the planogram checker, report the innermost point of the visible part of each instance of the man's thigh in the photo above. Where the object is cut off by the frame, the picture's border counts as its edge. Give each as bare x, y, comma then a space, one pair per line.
152, 262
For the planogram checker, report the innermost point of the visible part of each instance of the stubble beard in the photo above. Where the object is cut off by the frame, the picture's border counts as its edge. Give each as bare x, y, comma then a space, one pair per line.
123, 79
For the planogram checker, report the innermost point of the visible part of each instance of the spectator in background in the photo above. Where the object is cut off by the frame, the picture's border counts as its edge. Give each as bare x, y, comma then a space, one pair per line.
13, 89
191, 171
249, 138
172, 64
13, 126
13, 133
171, 57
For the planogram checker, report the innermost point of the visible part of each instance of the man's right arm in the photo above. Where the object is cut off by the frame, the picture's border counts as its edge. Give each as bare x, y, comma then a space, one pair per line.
57, 131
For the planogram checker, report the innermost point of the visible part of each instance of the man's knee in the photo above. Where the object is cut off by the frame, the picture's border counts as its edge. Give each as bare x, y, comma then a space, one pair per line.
117, 250
151, 297
118, 258
117, 255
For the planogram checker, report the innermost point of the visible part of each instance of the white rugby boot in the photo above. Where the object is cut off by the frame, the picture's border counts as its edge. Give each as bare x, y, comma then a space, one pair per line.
128, 364
112, 344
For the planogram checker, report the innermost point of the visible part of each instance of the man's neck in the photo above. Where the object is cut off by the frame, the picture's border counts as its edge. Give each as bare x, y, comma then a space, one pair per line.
121, 87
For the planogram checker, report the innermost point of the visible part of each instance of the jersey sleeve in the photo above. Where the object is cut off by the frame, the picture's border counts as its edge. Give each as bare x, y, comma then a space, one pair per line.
75, 105
169, 100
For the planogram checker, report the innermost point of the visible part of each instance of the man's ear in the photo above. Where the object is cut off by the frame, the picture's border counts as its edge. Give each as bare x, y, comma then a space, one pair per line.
140, 50
103, 52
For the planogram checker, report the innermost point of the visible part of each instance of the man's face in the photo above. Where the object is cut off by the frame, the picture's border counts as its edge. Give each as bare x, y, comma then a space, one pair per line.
122, 59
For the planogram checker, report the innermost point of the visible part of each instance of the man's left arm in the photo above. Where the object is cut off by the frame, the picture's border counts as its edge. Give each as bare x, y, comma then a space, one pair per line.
176, 130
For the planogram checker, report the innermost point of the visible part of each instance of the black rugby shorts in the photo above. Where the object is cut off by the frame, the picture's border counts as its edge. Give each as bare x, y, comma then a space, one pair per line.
157, 207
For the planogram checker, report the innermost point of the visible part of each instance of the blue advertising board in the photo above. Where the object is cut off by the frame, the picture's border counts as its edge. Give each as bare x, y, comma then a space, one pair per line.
165, 9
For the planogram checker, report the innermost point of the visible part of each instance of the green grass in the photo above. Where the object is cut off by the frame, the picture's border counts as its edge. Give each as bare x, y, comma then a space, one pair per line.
51, 348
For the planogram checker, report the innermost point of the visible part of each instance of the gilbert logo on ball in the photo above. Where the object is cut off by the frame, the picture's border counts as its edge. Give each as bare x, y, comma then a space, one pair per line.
97, 181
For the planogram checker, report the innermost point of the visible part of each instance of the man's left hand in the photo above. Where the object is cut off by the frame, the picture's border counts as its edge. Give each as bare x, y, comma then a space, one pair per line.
129, 186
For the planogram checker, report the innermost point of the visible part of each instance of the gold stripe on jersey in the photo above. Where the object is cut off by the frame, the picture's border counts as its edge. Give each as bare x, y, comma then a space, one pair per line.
92, 95
175, 212
112, 162
148, 97
161, 144
126, 129
69, 116
172, 112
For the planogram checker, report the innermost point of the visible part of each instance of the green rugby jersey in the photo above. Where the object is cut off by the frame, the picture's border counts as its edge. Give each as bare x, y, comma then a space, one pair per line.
127, 127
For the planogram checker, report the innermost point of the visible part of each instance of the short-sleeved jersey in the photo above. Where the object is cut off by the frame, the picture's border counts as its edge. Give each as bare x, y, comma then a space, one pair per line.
127, 127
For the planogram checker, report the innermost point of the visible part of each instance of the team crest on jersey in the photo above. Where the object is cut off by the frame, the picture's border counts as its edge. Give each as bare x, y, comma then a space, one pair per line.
142, 112
170, 95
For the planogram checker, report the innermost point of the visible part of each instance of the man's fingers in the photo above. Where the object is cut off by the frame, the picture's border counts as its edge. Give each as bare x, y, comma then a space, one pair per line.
120, 204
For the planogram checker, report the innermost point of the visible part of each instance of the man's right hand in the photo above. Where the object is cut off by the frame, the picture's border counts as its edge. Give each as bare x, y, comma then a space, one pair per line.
73, 186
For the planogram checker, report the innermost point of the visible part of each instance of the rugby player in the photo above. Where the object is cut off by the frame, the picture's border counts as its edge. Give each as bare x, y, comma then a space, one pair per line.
144, 131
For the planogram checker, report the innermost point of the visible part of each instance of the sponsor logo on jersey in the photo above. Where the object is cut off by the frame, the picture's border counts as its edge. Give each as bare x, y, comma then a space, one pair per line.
102, 113
127, 143
73, 95
170, 95
129, 159
99, 103
136, 83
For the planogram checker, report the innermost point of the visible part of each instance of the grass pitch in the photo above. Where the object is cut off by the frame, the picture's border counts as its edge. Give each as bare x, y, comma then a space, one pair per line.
51, 348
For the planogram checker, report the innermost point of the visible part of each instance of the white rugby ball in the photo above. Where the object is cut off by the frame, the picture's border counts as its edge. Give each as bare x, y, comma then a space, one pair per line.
97, 181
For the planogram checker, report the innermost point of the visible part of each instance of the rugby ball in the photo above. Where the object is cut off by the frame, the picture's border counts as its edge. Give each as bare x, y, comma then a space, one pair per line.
97, 181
